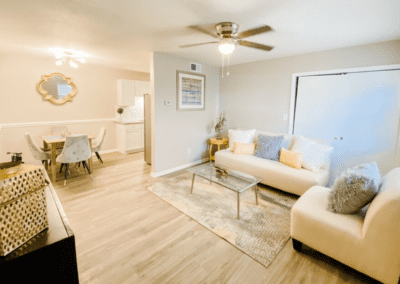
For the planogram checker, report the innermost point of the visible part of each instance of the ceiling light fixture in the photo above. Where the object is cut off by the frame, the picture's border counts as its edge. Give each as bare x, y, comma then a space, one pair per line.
226, 46
71, 57
73, 64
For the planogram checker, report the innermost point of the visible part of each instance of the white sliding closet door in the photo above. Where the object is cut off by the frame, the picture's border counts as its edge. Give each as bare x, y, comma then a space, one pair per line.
360, 110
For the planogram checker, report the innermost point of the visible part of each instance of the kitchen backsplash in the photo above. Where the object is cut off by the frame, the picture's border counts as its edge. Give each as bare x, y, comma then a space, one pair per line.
133, 113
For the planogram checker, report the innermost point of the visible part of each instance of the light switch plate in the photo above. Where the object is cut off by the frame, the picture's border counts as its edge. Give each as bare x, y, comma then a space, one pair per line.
285, 116
167, 103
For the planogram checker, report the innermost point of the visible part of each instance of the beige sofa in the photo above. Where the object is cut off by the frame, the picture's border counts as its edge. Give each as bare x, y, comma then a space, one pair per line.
274, 173
369, 244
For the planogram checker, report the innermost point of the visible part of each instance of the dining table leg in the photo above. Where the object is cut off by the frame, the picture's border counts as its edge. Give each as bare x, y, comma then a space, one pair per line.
53, 162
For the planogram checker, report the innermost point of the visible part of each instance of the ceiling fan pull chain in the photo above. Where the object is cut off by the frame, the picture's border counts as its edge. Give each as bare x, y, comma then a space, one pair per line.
222, 69
228, 64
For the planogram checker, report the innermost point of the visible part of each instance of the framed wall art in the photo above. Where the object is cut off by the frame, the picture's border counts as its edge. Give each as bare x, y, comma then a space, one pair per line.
190, 91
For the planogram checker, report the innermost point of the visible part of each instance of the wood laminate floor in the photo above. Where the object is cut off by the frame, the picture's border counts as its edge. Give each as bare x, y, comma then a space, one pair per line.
126, 234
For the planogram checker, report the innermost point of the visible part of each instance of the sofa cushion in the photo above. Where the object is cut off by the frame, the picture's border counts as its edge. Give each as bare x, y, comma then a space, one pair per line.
314, 154
244, 148
289, 138
269, 147
273, 173
244, 136
290, 158
354, 189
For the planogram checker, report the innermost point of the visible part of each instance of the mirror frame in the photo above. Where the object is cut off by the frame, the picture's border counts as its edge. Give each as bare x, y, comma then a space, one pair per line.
45, 94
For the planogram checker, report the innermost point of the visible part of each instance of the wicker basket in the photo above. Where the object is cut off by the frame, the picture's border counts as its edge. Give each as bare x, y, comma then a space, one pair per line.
23, 212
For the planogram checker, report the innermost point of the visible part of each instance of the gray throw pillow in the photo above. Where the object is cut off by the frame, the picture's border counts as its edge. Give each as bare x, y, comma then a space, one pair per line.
269, 147
354, 189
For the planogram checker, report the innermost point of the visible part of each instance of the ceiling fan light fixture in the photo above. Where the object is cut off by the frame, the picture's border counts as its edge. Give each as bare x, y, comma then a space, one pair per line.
226, 46
73, 64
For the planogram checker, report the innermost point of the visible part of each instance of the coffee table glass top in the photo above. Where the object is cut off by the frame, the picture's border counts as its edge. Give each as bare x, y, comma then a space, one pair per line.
233, 180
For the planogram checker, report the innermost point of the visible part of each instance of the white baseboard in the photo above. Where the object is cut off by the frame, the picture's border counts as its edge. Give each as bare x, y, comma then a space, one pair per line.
155, 175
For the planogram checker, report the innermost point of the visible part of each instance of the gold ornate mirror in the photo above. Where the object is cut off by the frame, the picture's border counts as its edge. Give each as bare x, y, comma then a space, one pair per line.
57, 88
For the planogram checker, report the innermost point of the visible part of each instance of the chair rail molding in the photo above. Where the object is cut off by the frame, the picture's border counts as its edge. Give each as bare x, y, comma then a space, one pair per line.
51, 123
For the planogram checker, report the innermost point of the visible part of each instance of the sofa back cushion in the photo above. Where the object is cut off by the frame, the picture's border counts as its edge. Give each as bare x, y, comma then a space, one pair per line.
314, 154
269, 147
287, 137
240, 135
291, 139
244, 148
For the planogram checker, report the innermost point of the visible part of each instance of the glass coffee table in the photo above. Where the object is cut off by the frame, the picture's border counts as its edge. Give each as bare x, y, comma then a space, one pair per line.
233, 180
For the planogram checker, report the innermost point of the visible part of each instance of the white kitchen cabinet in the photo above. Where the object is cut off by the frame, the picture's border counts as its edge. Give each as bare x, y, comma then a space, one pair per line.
126, 92
130, 137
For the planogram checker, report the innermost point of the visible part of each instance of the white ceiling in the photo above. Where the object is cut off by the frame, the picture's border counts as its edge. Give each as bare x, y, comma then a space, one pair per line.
122, 33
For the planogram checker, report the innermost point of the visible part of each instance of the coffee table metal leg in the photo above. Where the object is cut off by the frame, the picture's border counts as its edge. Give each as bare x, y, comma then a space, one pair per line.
191, 190
238, 205
255, 190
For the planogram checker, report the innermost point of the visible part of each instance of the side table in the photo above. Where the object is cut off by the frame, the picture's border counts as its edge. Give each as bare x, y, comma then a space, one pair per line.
218, 142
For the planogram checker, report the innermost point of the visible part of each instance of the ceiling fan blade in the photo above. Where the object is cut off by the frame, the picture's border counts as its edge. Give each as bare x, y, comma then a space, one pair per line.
200, 29
255, 45
190, 45
253, 32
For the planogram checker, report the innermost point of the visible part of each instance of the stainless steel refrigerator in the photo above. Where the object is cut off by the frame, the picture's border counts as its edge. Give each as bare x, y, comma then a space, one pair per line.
147, 128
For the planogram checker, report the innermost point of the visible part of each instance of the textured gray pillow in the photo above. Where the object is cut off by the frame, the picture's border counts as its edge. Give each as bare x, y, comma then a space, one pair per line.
269, 147
354, 189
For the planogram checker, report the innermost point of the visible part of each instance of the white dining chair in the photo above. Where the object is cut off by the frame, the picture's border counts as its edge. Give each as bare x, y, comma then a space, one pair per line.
97, 143
37, 153
76, 149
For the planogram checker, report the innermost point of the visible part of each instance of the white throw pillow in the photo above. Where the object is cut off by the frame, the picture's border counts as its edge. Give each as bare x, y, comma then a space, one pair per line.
244, 136
314, 154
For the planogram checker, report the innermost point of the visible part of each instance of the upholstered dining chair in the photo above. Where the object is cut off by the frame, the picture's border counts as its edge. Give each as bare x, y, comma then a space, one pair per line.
76, 149
37, 153
98, 142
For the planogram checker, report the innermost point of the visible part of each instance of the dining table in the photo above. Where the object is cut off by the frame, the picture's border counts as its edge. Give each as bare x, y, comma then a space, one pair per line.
52, 143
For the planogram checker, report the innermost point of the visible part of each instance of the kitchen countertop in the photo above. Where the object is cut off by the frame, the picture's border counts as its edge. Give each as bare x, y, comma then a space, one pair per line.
131, 122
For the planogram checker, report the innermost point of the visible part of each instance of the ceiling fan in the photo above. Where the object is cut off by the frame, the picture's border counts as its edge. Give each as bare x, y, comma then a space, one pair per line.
227, 33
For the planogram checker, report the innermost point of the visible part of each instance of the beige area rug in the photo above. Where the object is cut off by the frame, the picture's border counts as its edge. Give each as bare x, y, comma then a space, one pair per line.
262, 230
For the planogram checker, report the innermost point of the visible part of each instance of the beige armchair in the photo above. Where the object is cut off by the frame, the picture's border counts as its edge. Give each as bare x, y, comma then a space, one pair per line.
369, 244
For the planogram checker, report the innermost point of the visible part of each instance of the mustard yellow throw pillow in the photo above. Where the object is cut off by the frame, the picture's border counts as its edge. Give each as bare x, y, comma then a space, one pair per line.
244, 148
290, 158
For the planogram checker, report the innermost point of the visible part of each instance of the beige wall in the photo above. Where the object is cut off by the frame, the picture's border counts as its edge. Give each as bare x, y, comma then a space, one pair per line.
177, 131
257, 95
21, 103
